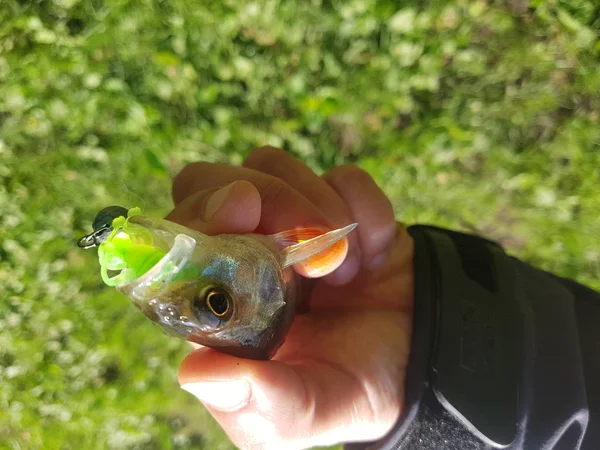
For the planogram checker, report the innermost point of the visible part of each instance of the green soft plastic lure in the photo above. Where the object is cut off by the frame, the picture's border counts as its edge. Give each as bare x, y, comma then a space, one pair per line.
234, 293
129, 250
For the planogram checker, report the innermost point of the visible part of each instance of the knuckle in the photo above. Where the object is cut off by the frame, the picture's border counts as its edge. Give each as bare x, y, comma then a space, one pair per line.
276, 192
184, 179
350, 172
265, 155
358, 174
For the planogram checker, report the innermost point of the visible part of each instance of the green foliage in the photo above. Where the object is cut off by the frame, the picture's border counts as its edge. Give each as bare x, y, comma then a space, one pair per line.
474, 115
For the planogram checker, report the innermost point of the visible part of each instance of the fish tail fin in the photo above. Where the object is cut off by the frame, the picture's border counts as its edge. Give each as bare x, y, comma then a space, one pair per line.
313, 251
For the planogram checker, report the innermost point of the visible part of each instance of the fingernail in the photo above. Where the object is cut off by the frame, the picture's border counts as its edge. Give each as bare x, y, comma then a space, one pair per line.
222, 395
216, 200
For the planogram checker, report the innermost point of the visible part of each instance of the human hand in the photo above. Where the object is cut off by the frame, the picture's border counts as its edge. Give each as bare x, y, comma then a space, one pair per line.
339, 376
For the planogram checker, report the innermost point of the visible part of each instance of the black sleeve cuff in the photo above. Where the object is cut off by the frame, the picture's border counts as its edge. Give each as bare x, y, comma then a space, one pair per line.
495, 356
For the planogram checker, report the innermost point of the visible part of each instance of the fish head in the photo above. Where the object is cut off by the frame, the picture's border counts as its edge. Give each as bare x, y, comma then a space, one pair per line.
233, 295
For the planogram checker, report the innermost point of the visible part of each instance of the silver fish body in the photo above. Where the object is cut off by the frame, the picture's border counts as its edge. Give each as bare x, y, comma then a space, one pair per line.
246, 267
237, 294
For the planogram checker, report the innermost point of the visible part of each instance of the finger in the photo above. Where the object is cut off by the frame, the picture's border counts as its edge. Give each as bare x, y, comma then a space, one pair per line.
282, 207
370, 207
299, 176
234, 208
273, 405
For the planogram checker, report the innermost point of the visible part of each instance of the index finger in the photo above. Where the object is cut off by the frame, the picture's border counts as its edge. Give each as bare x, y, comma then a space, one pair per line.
315, 189
282, 206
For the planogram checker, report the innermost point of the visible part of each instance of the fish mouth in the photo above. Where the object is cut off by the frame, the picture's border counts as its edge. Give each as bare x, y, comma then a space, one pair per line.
156, 279
142, 255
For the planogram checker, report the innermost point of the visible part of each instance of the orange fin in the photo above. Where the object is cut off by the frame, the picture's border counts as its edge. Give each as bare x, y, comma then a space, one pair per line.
313, 251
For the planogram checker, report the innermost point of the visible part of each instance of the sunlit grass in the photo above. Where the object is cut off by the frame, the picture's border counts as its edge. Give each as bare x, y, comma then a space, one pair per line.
471, 116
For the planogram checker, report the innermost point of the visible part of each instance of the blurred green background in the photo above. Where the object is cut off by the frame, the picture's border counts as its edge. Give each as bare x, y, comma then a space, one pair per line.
477, 115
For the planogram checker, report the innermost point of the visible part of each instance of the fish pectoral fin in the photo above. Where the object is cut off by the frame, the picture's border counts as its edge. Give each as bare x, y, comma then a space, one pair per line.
306, 249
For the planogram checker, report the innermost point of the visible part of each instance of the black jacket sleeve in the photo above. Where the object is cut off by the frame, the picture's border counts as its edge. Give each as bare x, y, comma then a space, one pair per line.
503, 355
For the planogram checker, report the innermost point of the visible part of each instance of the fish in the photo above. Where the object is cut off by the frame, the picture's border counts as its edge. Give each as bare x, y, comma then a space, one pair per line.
235, 293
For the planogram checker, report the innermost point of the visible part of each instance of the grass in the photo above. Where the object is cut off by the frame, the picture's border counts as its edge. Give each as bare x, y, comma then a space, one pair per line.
475, 115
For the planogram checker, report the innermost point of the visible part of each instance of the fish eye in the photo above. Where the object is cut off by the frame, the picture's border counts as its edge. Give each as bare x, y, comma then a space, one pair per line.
213, 306
218, 301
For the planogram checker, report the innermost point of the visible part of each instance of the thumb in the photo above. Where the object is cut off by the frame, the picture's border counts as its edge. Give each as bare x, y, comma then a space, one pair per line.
234, 208
273, 405
257, 403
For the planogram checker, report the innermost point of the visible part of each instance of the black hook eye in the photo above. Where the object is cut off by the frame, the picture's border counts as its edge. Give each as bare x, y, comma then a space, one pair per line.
102, 226
87, 241
94, 239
